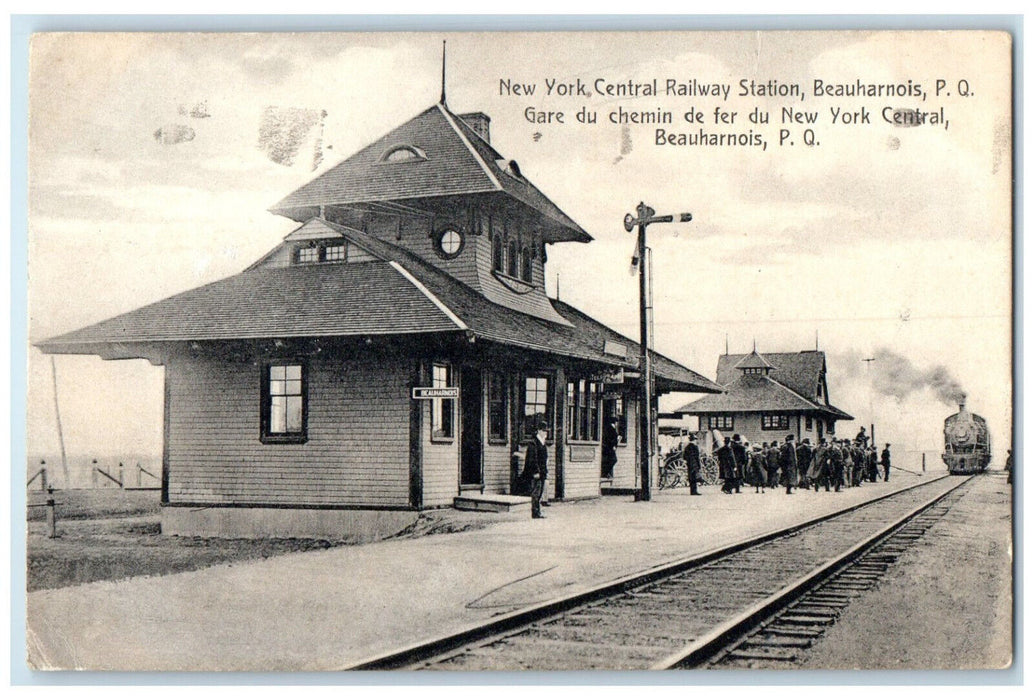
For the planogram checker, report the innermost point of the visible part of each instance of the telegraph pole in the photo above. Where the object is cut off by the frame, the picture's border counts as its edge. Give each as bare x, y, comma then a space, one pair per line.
643, 217
868, 371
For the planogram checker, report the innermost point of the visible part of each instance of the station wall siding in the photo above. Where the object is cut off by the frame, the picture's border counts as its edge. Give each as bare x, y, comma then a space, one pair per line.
357, 447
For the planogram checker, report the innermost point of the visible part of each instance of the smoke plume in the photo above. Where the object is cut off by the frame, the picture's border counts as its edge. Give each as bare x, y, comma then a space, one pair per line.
895, 375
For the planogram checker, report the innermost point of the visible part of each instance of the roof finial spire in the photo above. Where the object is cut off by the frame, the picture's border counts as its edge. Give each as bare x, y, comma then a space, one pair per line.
755, 340
443, 73
726, 343
816, 340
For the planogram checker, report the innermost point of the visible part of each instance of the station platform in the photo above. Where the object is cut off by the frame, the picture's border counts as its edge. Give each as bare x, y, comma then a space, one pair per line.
330, 609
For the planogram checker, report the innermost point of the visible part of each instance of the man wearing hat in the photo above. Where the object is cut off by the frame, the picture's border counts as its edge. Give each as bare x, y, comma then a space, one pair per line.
726, 466
788, 456
739, 453
535, 471
885, 462
691, 455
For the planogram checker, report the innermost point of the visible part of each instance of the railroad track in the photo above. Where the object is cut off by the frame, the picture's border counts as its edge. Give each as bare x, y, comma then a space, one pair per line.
725, 607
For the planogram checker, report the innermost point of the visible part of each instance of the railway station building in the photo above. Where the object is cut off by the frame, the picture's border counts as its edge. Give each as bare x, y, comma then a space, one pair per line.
390, 355
767, 397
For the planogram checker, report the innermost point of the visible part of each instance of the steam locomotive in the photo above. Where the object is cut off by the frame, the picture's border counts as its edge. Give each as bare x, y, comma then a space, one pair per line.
967, 443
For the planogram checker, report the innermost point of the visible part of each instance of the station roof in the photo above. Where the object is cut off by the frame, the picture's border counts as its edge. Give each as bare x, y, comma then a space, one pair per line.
450, 159
799, 371
788, 387
393, 294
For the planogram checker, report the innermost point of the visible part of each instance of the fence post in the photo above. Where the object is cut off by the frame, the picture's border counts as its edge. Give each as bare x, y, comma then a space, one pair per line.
924, 461
121, 476
93, 474
139, 475
51, 514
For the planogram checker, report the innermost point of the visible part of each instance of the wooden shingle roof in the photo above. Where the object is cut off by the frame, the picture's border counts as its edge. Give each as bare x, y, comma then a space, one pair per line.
454, 160
398, 293
751, 392
368, 298
790, 385
800, 371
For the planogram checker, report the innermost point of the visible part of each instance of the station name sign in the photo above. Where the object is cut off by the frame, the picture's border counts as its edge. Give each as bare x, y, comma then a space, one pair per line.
433, 392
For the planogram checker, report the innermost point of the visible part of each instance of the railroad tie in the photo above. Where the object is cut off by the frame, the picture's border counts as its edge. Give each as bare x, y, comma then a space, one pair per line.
793, 642
763, 654
782, 631
816, 620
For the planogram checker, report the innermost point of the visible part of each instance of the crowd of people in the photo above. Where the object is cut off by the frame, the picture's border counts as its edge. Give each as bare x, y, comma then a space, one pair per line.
831, 464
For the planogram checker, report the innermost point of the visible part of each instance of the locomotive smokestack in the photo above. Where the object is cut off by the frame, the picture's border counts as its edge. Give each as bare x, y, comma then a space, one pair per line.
962, 403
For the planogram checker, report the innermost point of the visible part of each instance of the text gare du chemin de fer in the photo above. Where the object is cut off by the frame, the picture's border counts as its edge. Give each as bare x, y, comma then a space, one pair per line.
747, 112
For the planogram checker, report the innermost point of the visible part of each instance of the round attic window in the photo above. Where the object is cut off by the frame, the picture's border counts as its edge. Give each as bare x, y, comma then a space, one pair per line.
449, 243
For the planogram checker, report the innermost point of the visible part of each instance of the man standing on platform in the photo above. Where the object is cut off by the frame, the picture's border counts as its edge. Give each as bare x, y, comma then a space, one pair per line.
535, 470
772, 463
804, 453
691, 455
726, 466
885, 462
739, 453
788, 457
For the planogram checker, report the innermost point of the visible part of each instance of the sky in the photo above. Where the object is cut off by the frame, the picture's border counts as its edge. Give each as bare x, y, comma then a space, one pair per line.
154, 159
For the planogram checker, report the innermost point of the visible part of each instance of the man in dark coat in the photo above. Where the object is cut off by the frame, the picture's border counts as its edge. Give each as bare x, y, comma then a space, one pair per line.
885, 461
862, 438
874, 472
691, 455
610, 443
726, 466
739, 453
856, 465
772, 464
788, 463
804, 453
818, 469
535, 471
837, 458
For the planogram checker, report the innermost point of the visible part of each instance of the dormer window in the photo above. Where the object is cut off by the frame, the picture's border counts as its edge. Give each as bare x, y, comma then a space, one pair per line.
336, 251
403, 154
498, 254
512, 260
308, 254
526, 265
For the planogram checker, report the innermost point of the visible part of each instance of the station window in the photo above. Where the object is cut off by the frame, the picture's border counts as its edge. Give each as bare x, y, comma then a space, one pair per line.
526, 265
497, 405
536, 405
512, 259
775, 422
442, 410
498, 254
284, 409
583, 410
308, 254
719, 422
321, 252
807, 422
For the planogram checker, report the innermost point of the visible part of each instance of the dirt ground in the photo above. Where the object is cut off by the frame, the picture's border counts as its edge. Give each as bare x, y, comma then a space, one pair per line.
110, 534
947, 604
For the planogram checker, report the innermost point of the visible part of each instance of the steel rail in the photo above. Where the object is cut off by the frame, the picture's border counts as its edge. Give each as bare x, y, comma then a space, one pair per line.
734, 630
503, 624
